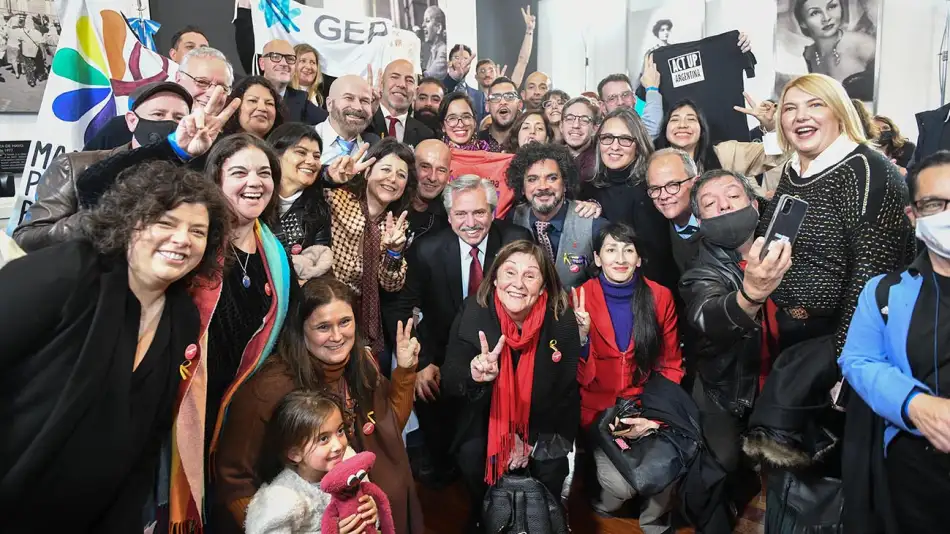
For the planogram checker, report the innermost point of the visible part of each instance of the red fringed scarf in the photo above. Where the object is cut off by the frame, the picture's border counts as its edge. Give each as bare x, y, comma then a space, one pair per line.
511, 396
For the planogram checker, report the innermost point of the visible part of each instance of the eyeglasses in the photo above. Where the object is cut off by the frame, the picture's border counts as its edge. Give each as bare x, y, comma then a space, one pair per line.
931, 206
204, 83
624, 140
276, 57
626, 95
551, 103
510, 96
583, 119
671, 188
455, 120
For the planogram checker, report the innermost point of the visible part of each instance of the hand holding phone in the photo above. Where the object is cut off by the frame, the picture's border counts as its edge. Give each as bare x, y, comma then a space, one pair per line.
786, 221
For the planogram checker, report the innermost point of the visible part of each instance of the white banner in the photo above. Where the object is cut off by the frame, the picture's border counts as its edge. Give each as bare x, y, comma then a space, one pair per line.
98, 64
346, 44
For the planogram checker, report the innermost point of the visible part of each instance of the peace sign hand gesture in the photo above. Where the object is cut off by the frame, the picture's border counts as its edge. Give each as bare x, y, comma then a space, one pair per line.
580, 312
345, 167
763, 111
198, 130
376, 86
407, 346
485, 365
394, 238
529, 20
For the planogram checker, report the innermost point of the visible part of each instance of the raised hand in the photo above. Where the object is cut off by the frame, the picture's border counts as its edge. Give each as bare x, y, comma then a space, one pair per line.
504, 70
745, 44
763, 111
198, 130
485, 366
376, 86
651, 75
344, 168
459, 67
763, 275
530, 21
580, 312
394, 237
407, 346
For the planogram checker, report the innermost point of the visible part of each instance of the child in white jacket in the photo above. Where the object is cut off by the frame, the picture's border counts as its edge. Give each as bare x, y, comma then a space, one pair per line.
308, 430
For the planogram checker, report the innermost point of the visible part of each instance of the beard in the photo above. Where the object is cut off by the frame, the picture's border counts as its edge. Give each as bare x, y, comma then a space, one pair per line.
545, 209
428, 117
352, 121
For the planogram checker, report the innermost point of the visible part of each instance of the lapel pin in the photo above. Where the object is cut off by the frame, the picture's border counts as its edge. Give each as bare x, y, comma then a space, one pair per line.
556, 355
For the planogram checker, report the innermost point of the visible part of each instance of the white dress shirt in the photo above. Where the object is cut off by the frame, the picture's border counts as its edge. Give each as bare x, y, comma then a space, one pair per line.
400, 125
465, 252
836, 151
332, 148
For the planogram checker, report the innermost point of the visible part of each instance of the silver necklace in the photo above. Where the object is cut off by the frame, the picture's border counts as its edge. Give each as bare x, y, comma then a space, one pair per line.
246, 280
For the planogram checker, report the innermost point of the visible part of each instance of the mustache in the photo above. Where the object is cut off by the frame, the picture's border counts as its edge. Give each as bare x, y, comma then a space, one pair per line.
358, 113
476, 228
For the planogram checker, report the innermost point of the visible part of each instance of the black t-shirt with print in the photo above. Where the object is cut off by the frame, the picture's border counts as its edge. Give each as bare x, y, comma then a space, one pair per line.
708, 72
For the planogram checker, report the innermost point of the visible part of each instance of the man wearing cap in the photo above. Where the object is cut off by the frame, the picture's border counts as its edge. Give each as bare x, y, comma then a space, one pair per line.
54, 217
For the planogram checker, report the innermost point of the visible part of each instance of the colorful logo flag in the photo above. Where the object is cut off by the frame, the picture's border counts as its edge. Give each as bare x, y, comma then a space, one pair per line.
98, 64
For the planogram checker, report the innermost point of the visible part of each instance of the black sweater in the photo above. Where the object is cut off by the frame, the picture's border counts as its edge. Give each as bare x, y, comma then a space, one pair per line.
855, 229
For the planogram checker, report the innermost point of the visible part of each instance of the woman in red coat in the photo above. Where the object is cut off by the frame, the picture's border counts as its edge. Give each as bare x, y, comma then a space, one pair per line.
627, 325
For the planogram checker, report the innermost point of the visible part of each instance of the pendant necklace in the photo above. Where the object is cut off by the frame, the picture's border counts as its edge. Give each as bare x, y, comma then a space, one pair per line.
834, 51
246, 280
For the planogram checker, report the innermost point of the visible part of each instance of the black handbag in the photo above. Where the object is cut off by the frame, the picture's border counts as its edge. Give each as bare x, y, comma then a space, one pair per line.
520, 504
649, 464
803, 505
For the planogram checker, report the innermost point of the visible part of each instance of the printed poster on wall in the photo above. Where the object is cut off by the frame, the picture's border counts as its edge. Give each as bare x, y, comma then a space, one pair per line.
347, 44
425, 20
98, 64
833, 37
657, 24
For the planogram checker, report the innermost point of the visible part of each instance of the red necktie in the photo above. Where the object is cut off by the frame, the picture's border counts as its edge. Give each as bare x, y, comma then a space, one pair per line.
474, 273
392, 126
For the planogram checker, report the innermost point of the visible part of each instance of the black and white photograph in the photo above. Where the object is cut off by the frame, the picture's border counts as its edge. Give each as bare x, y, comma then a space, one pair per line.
833, 37
665, 23
427, 20
29, 35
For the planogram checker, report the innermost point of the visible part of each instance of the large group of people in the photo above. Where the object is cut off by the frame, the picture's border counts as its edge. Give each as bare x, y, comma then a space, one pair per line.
296, 276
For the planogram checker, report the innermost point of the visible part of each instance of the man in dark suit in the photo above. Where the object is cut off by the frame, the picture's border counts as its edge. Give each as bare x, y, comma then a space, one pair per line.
443, 269
277, 65
392, 119
934, 133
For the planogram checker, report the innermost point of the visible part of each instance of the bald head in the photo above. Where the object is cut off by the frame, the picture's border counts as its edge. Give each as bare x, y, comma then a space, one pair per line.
277, 63
350, 105
535, 86
399, 86
433, 160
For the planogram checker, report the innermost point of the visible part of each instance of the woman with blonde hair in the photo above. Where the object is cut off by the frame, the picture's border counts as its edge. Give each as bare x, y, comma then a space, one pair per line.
855, 226
307, 75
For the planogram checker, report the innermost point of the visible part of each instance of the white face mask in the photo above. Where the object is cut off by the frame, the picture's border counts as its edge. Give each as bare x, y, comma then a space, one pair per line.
934, 231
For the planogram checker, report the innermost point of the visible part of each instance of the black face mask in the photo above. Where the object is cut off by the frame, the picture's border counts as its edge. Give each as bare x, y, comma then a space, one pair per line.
730, 230
148, 131
886, 137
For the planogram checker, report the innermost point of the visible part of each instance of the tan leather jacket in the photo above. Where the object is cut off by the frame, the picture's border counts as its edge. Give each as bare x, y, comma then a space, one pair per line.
55, 217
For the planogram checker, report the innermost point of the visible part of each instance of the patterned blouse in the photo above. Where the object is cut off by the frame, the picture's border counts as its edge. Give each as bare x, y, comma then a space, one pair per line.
346, 228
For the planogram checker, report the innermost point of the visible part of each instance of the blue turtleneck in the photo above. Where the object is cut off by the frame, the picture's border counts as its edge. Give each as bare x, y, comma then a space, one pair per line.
618, 298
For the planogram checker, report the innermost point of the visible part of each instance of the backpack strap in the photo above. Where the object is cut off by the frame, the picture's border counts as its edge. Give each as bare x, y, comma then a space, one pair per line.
883, 292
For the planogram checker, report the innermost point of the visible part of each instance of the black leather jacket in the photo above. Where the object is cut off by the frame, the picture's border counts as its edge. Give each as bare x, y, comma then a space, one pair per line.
728, 351
306, 223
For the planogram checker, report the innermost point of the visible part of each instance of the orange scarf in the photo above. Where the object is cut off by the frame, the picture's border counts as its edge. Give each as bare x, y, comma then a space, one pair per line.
511, 395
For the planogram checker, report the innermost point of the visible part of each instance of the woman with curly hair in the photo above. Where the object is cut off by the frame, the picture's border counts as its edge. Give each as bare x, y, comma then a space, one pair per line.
897, 147
262, 108
96, 335
322, 350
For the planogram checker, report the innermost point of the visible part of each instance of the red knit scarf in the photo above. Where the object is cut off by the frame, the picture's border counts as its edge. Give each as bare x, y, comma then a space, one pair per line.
511, 396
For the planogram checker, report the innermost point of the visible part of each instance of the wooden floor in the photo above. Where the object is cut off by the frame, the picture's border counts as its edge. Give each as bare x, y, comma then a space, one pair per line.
446, 510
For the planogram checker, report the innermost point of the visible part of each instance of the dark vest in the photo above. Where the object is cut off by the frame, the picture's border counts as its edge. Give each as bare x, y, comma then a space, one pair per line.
575, 249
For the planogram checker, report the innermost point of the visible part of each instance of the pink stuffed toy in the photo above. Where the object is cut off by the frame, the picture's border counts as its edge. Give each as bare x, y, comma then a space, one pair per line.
346, 484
